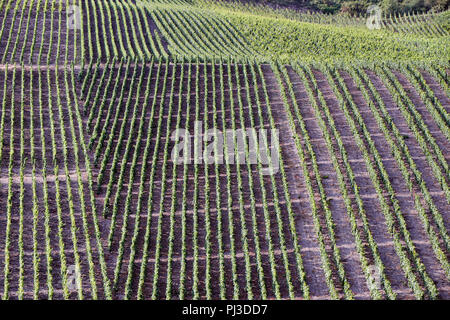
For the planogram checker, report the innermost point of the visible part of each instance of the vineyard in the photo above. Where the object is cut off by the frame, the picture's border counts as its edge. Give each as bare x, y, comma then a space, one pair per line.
348, 197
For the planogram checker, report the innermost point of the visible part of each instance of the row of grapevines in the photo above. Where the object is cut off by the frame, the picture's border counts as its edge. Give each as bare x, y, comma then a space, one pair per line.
65, 151
6, 11
96, 131
35, 33
346, 100
120, 28
182, 287
6, 284
93, 77
116, 159
23, 161
413, 117
413, 23
423, 137
228, 187
36, 205
145, 250
3, 115
44, 30
321, 107
173, 193
164, 183
323, 198
99, 247
119, 183
198, 33
434, 106
400, 151
62, 256
102, 91
256, 70
112, 131
291, 215
10, 34
395, 221
218, 193
243, 227
440, 75
27, 27
143, 175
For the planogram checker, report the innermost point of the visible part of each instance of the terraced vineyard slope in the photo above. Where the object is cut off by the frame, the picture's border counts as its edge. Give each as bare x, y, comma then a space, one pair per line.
214, 150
